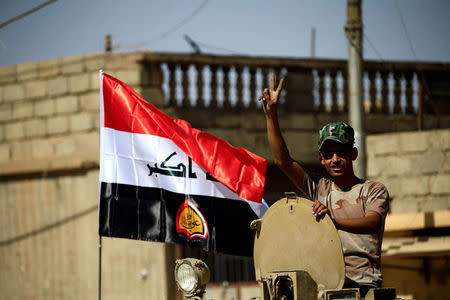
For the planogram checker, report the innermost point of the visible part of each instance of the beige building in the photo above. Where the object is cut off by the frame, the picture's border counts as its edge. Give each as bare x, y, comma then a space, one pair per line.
49, 137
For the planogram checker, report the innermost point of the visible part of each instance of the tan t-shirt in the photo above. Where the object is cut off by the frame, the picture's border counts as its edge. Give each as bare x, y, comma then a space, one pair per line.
362, 252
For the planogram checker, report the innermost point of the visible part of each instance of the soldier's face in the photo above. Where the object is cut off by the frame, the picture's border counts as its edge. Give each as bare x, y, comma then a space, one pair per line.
337, 159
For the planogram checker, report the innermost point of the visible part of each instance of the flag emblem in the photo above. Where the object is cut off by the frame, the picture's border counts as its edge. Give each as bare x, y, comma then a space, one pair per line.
190, 221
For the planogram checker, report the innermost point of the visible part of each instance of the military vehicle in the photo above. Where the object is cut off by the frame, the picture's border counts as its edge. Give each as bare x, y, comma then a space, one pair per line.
297, 256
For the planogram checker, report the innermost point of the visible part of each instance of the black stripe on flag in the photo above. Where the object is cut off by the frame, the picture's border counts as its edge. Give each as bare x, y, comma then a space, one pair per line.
149, 214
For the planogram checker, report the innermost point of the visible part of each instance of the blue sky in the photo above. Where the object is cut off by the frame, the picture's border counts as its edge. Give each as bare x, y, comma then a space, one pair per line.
248, 27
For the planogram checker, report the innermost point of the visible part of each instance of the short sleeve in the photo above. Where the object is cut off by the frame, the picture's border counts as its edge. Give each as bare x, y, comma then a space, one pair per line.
316, 187
377, 199
309, 187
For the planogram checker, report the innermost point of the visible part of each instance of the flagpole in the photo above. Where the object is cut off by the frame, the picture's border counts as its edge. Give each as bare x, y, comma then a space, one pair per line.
99, 192
100, 267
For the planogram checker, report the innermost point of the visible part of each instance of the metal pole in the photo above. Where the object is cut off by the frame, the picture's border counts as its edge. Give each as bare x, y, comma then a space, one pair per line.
313, 42
108, 43
100, 267
353, 30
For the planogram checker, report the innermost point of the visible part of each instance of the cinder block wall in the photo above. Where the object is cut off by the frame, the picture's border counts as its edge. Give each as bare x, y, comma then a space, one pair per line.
414, 166
49, 150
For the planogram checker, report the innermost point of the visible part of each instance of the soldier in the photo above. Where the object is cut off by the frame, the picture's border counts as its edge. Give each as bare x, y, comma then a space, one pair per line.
358, 207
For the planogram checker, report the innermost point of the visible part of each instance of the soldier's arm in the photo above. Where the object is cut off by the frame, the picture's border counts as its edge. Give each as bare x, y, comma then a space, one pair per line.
280, 152
367, 224
284, 161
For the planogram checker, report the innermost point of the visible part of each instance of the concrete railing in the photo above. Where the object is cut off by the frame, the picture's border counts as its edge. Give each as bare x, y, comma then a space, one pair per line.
313, 85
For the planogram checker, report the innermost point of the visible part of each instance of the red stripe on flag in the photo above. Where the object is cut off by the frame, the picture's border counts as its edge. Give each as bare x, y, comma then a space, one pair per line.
238, 169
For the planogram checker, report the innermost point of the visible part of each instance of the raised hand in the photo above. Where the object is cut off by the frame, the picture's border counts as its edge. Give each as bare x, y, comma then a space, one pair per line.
270, 97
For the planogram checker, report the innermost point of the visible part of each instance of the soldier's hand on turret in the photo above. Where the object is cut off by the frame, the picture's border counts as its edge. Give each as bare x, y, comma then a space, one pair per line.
270, 97
318, 209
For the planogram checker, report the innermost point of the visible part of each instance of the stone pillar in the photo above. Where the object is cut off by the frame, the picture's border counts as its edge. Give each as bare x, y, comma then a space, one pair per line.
299, 90
152, 79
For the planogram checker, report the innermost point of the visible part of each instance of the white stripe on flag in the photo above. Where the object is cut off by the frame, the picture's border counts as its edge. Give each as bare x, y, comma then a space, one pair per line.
136, 159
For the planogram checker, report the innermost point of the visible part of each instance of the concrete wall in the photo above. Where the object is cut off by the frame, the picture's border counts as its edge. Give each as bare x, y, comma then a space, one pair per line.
414, 166
420, 278
49, 149
49, 111
49, 245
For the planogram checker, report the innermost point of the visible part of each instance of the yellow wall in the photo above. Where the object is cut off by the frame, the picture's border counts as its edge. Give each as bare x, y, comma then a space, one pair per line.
422, 278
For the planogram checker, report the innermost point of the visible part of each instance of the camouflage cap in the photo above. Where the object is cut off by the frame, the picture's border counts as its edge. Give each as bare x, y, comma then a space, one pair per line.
339, 132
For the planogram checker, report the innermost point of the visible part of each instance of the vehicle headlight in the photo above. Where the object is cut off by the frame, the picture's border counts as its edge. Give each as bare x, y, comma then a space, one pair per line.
191, 276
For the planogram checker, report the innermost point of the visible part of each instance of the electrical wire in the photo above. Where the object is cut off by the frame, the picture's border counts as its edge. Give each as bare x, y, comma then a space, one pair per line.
26, 13
366, 37
405, 29
166, 33
421, 77
3, 45
208, 46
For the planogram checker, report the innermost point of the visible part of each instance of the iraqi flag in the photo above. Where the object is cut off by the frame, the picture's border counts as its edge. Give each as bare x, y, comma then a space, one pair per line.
162, 180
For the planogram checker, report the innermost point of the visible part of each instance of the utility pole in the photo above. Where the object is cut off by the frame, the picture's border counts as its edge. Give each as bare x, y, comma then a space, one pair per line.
354, 32
313, 42
108, 43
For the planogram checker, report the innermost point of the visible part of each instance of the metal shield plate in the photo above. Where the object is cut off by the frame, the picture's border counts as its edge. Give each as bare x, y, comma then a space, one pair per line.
290, 238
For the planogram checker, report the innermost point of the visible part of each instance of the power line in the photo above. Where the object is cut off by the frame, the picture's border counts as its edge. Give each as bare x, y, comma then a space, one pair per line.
168, 32
208, 46
366, 37
420, 76
26, 13
405, 29
3, 46
373, 47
